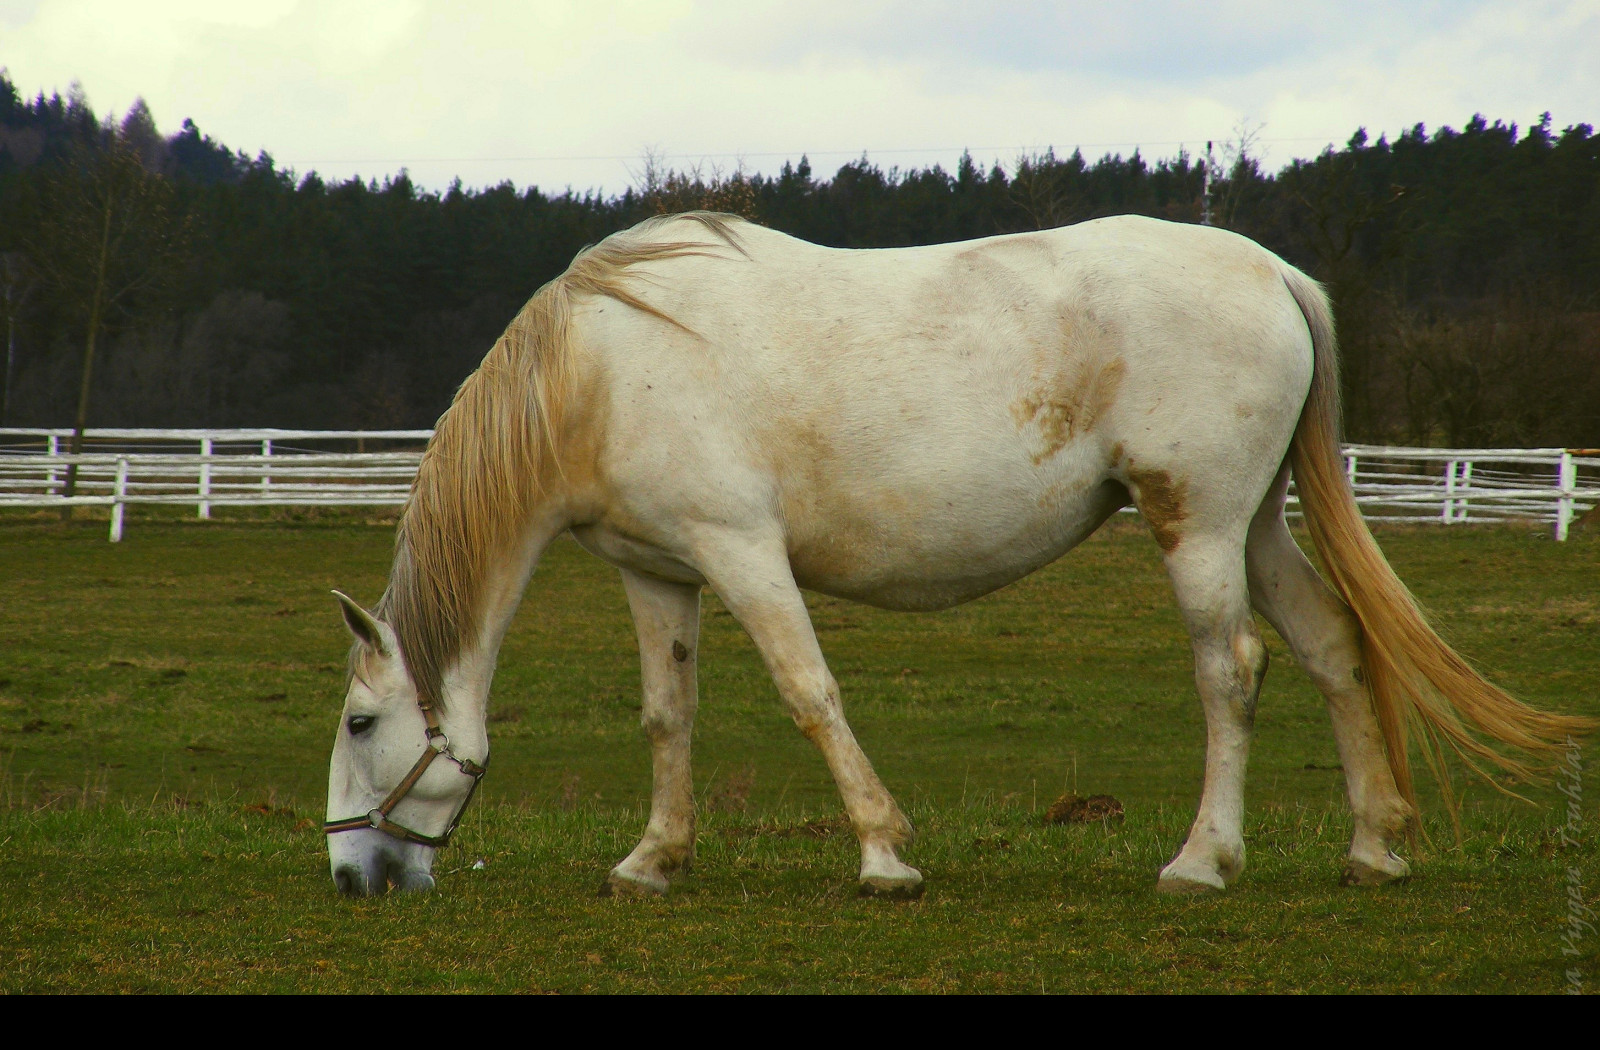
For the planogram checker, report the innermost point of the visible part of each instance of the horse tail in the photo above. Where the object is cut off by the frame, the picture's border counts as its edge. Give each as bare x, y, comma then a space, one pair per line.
1419, 684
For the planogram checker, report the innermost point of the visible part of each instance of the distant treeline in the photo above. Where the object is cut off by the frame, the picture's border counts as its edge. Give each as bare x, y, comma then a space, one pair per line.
209, 288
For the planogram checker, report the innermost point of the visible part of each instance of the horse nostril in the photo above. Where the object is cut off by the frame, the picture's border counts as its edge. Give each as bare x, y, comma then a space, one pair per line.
349, 881
410, 880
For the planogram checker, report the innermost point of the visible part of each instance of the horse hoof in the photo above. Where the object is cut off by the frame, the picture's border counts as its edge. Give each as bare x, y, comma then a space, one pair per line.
891, 889
1178, 878
1360, 873
618, 885
1178, 887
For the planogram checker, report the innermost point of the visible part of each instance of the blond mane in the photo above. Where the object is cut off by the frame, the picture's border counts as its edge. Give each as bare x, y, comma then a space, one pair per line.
494, 453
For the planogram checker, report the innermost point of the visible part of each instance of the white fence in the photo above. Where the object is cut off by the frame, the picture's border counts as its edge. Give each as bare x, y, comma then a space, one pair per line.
209, 468
337, 468
1450, 486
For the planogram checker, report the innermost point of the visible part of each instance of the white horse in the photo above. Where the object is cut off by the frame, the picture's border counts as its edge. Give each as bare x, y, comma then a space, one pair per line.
704, 402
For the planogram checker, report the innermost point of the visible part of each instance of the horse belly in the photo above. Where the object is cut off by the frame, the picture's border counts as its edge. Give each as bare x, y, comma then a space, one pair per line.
925, 547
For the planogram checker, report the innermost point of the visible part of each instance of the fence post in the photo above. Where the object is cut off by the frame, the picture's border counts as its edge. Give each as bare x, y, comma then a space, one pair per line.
1463, 500
266, 478
1449, 514
117, 493
205, 479
1566, 481
55, 450
1350, 467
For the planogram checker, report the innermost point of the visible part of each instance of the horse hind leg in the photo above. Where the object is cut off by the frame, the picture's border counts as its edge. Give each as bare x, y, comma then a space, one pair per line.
1208, 578
667, 619
1325, 637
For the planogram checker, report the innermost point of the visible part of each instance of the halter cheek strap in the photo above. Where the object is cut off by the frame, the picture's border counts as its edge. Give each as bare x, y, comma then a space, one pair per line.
438, 745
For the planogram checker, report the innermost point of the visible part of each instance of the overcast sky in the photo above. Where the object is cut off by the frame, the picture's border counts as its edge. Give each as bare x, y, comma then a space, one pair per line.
556, 94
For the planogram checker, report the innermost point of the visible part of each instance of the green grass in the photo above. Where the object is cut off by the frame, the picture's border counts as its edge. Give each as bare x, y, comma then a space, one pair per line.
167, 705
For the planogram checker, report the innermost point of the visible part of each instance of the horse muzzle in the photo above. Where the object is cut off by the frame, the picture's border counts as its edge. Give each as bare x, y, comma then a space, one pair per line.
368, 863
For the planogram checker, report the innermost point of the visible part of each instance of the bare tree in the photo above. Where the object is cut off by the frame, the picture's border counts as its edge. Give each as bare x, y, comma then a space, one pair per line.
1238, 170
1042, 188
667, 191
1517, 368
1334, 211
110, 233
233, 350
138, 133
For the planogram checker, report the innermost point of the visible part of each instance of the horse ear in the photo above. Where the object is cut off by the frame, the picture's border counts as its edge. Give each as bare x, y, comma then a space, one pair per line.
368, 630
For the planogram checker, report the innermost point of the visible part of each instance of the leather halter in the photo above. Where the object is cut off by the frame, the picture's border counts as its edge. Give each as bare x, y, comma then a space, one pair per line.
438, 744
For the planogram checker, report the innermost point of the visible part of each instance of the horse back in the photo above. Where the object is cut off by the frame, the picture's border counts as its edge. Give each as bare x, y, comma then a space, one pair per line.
926, 424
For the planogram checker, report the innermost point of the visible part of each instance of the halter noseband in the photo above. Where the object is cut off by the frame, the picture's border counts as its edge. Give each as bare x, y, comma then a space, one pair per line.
438, 744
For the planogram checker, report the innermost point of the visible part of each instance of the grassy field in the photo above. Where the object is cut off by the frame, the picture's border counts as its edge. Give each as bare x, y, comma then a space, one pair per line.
167, 705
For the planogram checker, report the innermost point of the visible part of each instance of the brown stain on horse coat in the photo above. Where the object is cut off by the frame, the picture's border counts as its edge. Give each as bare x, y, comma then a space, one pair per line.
1161, 500
1068, 404
847, 541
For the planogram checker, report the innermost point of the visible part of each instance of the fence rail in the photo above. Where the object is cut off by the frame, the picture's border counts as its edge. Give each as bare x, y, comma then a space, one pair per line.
351, 468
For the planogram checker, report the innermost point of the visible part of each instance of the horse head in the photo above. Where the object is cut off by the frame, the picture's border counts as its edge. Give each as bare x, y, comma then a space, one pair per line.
391, 801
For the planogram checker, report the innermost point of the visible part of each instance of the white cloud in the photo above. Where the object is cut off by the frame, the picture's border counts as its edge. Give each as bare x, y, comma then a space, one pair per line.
526, 91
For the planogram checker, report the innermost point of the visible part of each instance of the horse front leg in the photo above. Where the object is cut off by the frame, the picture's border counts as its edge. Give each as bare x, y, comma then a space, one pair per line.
667, 618
755, 583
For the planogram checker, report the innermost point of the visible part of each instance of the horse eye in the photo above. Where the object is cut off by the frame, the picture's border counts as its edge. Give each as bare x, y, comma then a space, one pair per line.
360, 724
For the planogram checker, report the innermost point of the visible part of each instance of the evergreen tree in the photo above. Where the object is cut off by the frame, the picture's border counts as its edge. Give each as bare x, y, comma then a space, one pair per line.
1464, 264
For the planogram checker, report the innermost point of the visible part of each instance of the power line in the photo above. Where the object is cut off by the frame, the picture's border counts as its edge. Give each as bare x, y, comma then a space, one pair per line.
738, 154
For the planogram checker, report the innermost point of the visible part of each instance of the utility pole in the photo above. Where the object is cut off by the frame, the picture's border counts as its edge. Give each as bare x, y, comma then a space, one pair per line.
1205, 199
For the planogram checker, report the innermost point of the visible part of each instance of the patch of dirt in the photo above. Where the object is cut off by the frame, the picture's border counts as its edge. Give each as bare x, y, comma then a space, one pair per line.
733, 794
572, 793
40, 725
164, 664
267, 809
1075, 809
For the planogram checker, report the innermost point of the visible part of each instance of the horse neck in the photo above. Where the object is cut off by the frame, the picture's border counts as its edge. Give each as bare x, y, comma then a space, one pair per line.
469, 678
501, 579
